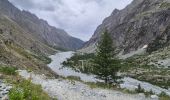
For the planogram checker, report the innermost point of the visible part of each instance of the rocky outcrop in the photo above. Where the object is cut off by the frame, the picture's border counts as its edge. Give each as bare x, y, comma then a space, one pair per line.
39, 28
139, 24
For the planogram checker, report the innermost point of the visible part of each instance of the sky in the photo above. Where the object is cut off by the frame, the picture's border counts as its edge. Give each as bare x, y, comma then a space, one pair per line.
79, 18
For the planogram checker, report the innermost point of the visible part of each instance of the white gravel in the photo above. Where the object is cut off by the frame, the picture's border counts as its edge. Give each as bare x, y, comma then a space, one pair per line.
132, 84
67, 90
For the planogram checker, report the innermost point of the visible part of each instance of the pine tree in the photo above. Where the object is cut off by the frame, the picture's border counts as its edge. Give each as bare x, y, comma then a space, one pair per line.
105, 66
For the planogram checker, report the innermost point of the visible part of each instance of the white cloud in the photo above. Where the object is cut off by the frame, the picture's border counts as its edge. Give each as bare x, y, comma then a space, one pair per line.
78, 17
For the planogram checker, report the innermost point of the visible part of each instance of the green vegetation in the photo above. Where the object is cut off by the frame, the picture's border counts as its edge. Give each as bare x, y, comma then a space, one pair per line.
22, 89
75, 62
91, 84
102, 63
23, 58
165, 5
8, 70
60, 48
158, 43
25, 90
111, 86
137, 68
105, 66
73, 78
147, 94
42, 58
129, 91
139, 89
16, 94
164, 96
27, 54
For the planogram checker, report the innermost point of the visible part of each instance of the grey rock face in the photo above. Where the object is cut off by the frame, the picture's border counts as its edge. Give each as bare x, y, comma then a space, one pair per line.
39, 28
138, 24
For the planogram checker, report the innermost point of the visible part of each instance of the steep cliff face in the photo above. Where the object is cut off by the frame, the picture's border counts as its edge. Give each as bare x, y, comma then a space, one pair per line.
138, 24
39, 28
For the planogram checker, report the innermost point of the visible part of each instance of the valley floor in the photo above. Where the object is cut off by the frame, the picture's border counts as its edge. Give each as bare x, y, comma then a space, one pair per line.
56, 66
75, 90
68, 90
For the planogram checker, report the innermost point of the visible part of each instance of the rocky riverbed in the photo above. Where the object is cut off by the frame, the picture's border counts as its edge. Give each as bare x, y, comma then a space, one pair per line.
68, 90
56, 66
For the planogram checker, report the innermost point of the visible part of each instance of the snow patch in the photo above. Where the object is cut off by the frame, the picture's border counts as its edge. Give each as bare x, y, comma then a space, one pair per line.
145, 46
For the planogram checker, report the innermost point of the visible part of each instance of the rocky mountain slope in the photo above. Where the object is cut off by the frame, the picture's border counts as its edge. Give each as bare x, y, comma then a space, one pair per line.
21, 50
143, 22
39, 28
26, 40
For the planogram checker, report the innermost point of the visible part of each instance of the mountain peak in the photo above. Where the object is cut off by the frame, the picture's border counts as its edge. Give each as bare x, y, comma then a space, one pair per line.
136, 25
115, 11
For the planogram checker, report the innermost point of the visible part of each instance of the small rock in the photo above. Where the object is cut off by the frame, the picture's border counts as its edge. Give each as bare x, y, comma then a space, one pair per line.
103, 95
3, 86
8, 88
1, 76
4, 92
5, 98
1, 89
1, 96
141, 94
154, 96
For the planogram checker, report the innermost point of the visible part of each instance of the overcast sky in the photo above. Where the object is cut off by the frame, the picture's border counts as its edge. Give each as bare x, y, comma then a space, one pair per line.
79, 18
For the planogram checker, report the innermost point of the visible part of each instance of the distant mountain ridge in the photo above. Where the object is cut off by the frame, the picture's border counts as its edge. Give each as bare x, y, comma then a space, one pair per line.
39, 28
137, 25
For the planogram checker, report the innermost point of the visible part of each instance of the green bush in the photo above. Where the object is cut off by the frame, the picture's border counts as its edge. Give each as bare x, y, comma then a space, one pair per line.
156, 44
165, 5
74, 78
164, 96
140, 89
149, 93
129, 91
16, 94
25, 90
43, 58
8, 70
75, 63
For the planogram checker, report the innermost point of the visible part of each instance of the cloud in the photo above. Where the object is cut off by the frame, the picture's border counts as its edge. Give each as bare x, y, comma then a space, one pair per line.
79, 18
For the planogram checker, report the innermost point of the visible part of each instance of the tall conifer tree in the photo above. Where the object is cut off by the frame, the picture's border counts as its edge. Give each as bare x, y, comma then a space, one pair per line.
105, 66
